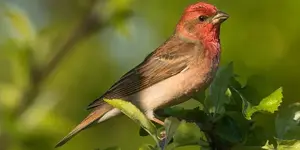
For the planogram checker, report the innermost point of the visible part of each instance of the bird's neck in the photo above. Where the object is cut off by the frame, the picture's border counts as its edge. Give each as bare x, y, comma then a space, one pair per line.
211, 42
212, 48
208, 38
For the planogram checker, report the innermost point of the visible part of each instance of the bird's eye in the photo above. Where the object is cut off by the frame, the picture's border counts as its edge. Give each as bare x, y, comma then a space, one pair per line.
202, 18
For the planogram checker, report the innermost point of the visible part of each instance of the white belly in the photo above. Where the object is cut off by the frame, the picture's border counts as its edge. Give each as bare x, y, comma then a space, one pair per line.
171, 91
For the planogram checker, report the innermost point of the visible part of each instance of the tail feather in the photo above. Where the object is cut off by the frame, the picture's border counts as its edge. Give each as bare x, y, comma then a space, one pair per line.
92, 117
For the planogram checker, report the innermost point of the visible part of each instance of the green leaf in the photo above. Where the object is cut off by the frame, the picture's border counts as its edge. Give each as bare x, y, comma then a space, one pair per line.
289, 145
268, 146
228, 94
287, 121
246, 106
283, 145
234, 98
272, 102
175, 111
135, 114
199, 96
216, 96
190, 115
189, 134
242, 124
171, 125
241, 147
268, 104
228, 129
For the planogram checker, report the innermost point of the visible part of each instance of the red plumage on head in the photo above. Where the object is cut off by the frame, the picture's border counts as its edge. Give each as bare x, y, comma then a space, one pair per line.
202, 7
190, 28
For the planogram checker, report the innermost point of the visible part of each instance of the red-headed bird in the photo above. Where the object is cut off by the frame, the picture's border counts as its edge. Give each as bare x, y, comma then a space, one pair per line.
181, 66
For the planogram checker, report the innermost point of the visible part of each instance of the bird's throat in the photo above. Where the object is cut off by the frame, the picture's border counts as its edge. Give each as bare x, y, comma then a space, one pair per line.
211, 42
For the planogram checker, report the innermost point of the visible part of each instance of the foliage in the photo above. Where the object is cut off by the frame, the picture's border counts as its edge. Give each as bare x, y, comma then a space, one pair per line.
214, 126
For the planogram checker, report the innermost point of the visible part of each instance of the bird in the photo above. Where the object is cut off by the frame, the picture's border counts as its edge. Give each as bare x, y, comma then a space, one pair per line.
183, 65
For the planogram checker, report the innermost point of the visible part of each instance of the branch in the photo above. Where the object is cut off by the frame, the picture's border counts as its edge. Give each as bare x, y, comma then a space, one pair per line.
89, 24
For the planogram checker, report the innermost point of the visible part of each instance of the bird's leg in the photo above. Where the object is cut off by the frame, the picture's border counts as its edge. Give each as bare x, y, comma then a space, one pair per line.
157, 121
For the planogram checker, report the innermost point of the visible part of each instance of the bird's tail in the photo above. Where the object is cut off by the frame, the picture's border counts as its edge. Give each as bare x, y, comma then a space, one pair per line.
92, 117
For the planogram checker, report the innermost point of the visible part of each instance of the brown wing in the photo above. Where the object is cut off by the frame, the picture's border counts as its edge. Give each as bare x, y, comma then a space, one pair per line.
166, 61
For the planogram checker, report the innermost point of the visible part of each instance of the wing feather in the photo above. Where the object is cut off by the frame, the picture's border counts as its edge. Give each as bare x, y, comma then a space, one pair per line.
166, 61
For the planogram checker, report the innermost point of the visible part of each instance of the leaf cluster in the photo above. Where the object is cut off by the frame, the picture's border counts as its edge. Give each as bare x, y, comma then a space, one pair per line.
224, 119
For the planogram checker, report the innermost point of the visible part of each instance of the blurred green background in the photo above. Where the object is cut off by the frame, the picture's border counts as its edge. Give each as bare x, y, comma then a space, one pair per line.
56, 56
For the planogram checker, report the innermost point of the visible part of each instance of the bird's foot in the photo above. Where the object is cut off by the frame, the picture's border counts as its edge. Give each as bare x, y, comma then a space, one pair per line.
162, 135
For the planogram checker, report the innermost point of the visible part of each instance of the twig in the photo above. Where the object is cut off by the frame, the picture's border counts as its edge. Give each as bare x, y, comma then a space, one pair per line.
89, 24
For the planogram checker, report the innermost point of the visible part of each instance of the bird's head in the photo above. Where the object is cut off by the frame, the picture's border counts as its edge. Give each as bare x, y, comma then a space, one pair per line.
201, 21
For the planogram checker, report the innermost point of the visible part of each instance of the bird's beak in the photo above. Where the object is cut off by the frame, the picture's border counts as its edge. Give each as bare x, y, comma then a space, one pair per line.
219, 17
